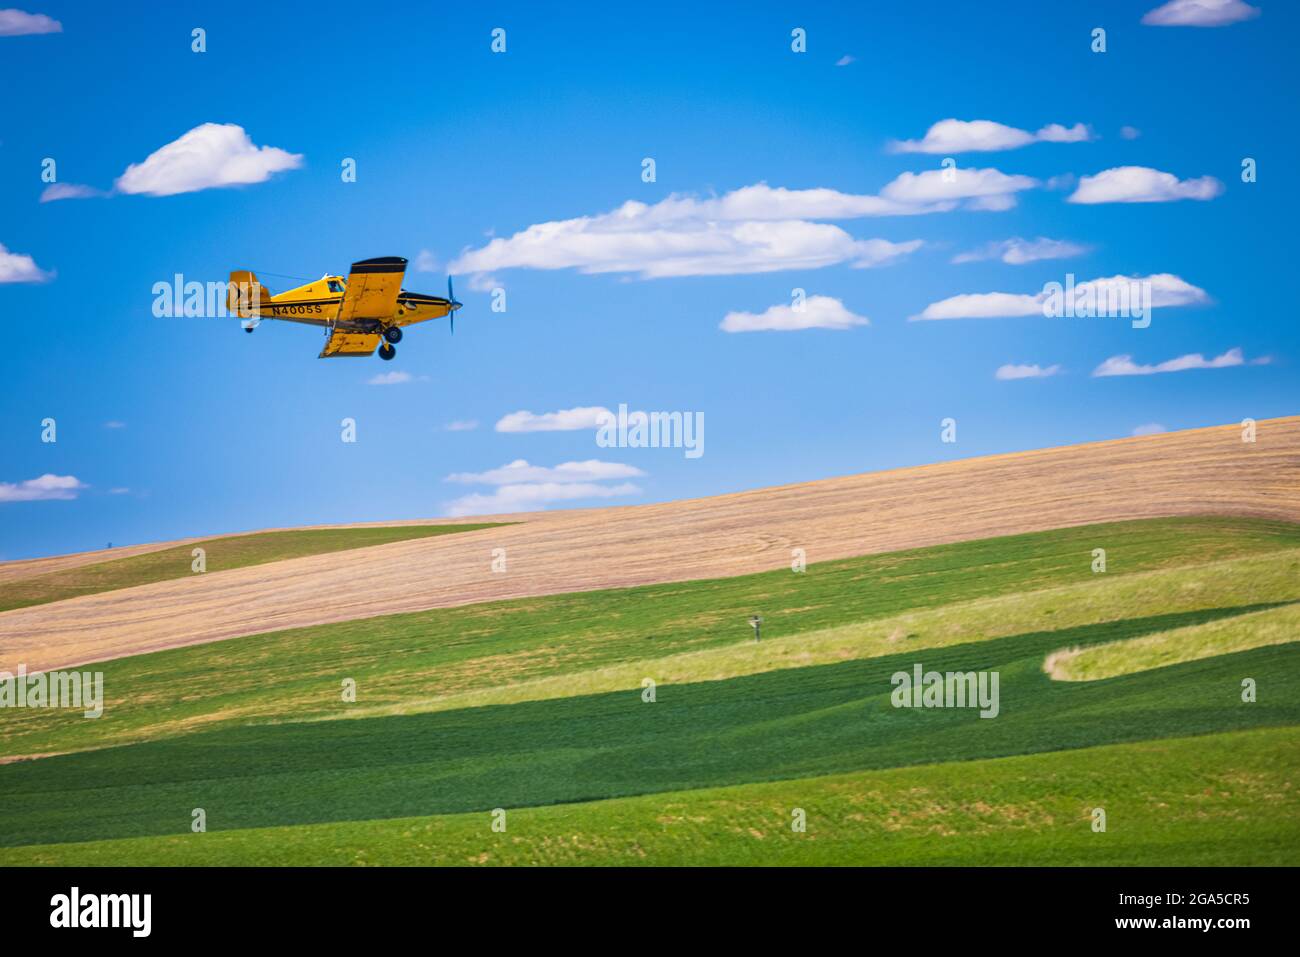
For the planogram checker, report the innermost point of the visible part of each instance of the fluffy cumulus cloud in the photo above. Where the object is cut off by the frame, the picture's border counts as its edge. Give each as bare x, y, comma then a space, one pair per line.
1200, 13
18, 23
942, 190
816, 312
565, 420
43, 488
1166, 290
211, 155
985, 136
520, 486
1141, 184
425, 261
1124, 365
1034, 371
1018, 252
18, 267
754, 229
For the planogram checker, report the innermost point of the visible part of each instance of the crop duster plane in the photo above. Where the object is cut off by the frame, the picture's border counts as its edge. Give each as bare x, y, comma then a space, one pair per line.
357, 312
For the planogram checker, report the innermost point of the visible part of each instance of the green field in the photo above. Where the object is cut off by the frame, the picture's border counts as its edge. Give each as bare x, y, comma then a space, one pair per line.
1182, 801
536, 706
231, 551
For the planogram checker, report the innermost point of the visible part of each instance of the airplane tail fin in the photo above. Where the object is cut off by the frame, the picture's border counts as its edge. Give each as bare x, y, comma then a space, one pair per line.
245, 295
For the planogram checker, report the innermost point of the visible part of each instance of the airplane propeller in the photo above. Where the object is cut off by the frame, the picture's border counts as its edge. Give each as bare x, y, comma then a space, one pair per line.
451, 298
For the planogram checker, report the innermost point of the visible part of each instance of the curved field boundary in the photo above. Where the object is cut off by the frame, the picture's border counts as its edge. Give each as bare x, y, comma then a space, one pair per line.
1260, 629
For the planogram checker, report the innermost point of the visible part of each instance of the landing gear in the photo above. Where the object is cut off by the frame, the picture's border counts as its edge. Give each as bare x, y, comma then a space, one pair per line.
248, 328
386, 352
393, 334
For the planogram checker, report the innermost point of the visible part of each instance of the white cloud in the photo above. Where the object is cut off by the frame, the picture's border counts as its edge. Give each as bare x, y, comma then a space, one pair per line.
210, 155
565, 420
982, 305
1166, 290
57, 191
17, 267
753, 229
591, 470
1151, 428
761, 202
1035, 371
984, 136
462, 425
1124, 365
1129, 132
44, 488
1018, 252
122, 490
521, 486
941, 190
520, 498
845, 60
114, 424
389, 378
818, 312
1141, 184
704, 248
425, 261
1056, 133
17, 23
1200, 13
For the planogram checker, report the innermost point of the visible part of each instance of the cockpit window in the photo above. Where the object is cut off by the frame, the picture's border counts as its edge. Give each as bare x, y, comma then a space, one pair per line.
336, 285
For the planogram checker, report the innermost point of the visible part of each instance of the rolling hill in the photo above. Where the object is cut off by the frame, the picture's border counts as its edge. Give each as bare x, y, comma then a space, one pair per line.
634, 719
1198, 472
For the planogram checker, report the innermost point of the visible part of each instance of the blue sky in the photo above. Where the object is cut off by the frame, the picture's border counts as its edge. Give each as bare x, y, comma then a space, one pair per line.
183, 426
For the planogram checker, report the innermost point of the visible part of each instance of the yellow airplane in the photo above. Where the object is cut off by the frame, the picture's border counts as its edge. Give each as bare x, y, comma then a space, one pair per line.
356, 312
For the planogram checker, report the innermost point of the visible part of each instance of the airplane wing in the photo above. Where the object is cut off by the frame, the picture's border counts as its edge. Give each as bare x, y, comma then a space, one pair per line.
350, 344
373, 285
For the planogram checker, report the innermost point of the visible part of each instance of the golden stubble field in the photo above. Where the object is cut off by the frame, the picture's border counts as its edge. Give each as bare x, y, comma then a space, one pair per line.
1198, 472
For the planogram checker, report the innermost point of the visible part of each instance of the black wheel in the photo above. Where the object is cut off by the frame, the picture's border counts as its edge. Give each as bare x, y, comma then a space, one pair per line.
248, 328
386, 352
393, 334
